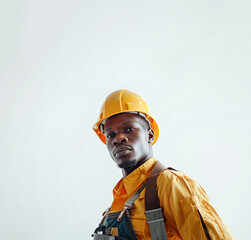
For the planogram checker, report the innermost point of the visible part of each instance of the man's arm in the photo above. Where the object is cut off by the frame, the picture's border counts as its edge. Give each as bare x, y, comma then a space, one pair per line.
187, 210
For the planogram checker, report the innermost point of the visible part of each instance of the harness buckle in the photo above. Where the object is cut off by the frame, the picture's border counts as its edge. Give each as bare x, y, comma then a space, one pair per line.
122, 213
104, 215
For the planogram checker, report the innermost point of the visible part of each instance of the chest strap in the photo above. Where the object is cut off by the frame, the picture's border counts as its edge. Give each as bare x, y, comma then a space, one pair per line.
153, 211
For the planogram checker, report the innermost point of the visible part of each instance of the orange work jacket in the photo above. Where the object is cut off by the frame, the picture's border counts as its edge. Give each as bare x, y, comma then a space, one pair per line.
180, 198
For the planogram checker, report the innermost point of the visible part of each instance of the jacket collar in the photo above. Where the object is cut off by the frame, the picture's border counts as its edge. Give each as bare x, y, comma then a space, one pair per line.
135, 179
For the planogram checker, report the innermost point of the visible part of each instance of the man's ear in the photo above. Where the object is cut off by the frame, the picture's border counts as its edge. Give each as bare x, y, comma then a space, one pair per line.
150, 135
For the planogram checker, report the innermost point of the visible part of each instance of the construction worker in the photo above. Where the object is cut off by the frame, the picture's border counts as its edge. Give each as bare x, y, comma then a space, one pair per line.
150, 201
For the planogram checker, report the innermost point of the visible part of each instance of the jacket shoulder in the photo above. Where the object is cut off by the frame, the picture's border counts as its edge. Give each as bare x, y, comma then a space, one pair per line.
171, 174
176, 182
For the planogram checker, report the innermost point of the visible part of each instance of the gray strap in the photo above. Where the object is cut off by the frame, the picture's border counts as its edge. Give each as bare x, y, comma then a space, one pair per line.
156, 224
102, 237
135, 196
130, 202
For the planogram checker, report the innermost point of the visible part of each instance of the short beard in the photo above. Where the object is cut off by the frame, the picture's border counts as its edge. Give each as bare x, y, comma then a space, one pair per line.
128, 164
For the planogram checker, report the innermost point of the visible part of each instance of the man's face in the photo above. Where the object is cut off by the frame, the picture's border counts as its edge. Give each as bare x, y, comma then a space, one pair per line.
128, 139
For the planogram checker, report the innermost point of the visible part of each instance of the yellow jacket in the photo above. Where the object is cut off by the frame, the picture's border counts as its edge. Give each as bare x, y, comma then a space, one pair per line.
180, 197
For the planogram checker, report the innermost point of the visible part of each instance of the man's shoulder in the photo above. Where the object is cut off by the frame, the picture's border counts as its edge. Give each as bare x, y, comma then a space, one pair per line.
171, 180
171, 175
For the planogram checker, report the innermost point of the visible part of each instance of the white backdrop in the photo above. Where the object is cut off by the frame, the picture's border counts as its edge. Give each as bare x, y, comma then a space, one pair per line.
190, 60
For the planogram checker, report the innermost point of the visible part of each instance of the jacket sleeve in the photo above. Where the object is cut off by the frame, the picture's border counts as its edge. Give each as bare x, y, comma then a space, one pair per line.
187, 210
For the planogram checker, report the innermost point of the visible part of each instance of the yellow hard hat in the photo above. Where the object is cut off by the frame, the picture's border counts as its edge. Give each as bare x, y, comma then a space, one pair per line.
124, 101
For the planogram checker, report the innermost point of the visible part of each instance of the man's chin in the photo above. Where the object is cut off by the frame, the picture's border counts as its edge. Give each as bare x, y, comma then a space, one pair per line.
128, 164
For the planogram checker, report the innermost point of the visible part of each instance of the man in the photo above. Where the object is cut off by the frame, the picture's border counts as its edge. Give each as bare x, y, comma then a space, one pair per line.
129, 130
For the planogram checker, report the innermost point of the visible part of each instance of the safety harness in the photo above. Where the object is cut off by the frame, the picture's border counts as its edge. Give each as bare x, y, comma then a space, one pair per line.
108, 227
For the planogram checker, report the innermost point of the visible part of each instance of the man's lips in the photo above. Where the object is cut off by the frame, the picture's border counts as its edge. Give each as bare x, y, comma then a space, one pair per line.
119, 150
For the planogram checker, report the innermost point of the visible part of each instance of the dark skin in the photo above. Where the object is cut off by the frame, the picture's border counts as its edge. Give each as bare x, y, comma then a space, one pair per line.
128, 140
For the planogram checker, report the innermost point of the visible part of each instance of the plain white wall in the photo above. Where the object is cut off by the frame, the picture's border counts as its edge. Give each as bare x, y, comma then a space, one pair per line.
190, 60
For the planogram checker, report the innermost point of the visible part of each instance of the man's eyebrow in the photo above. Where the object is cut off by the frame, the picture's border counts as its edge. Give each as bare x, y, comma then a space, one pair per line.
127, 122
107, 129
122, 124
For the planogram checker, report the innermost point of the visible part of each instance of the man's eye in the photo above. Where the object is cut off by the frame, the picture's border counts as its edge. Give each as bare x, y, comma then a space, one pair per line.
110, 135
129, 129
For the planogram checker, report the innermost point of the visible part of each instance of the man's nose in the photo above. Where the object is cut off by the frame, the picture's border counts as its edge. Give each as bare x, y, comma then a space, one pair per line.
120, 138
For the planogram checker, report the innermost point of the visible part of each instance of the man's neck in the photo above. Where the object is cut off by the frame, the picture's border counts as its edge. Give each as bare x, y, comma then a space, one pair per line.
128, 170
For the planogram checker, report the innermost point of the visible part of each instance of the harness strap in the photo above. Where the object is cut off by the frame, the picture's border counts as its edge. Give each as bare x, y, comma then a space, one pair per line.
135, 196
153, 211
152, 199
129, 203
